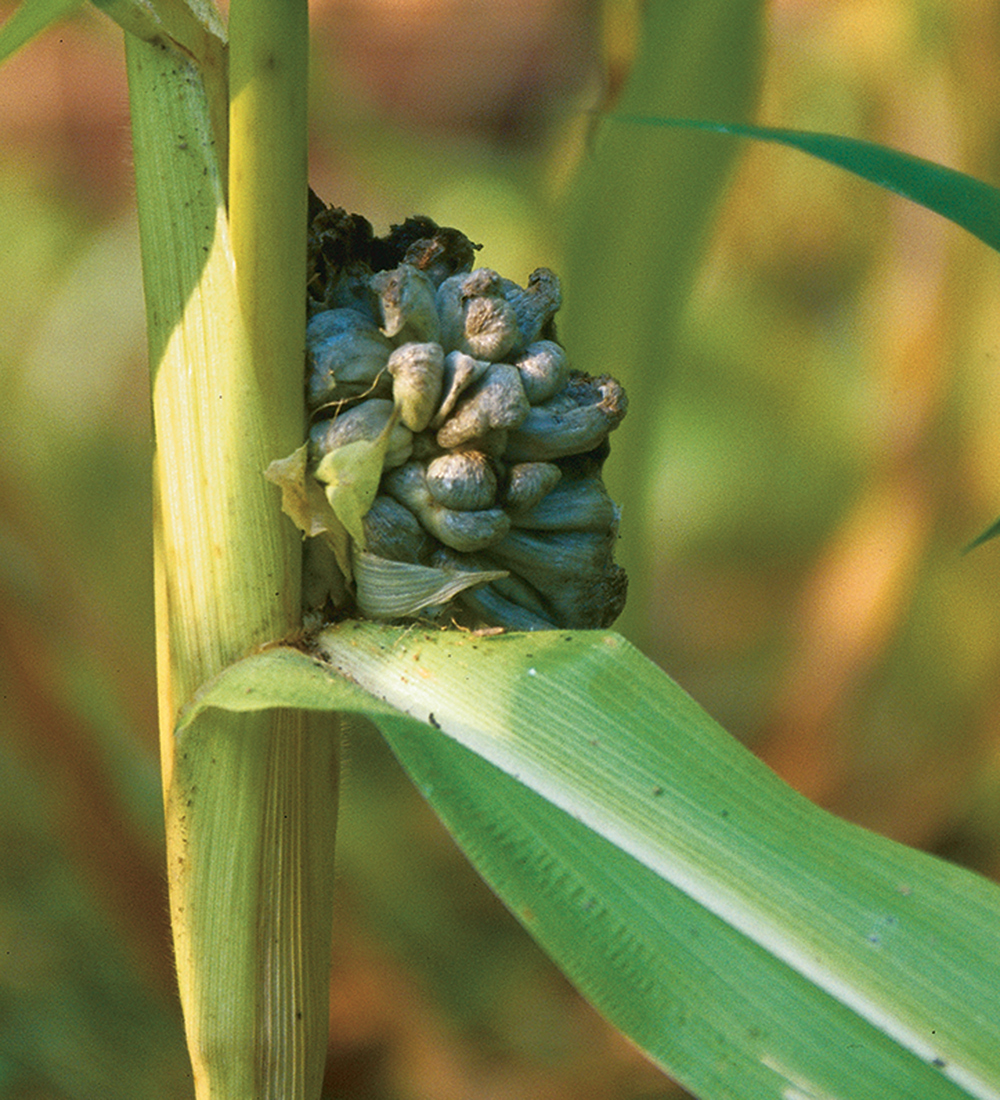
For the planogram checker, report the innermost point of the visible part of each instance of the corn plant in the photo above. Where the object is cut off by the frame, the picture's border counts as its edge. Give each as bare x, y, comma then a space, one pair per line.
749, 942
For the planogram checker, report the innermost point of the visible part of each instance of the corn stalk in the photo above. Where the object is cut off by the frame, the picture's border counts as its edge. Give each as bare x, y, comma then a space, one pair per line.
250, 799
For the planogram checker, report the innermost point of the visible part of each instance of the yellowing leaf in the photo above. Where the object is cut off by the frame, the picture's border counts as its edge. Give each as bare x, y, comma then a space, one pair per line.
31, 18
351, 474
304, 502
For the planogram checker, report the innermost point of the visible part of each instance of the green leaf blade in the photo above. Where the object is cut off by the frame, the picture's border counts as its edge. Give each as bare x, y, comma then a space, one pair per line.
968, 202
989, 534
733, 929
657, 964
725, 830
30, 19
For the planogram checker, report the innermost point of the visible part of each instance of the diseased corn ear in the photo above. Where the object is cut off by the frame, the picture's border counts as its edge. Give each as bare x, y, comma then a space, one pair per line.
457, 450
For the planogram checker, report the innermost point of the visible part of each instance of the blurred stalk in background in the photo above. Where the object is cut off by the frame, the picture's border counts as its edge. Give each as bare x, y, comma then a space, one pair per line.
826, 447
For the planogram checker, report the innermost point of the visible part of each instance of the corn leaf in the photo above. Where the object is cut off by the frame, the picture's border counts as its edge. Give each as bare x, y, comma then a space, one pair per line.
991, 532
30, 19
750, 942
968, 202
962, 199
351, 474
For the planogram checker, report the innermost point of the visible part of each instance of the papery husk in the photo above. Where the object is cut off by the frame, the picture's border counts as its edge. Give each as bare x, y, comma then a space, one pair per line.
398, 590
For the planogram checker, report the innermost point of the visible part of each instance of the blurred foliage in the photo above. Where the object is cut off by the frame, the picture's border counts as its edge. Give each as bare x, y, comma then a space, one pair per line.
824, 449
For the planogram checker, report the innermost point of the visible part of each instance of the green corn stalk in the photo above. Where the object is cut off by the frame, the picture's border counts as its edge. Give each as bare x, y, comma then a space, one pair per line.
251, 811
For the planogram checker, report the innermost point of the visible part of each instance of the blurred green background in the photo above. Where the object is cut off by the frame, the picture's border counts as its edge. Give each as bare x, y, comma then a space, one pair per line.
823, 444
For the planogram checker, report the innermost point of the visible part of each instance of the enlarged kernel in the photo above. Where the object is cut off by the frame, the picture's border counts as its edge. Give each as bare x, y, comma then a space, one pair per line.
497, 402
405, 301
417, 371
463, 480
544, 370
366, 422
347, 356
